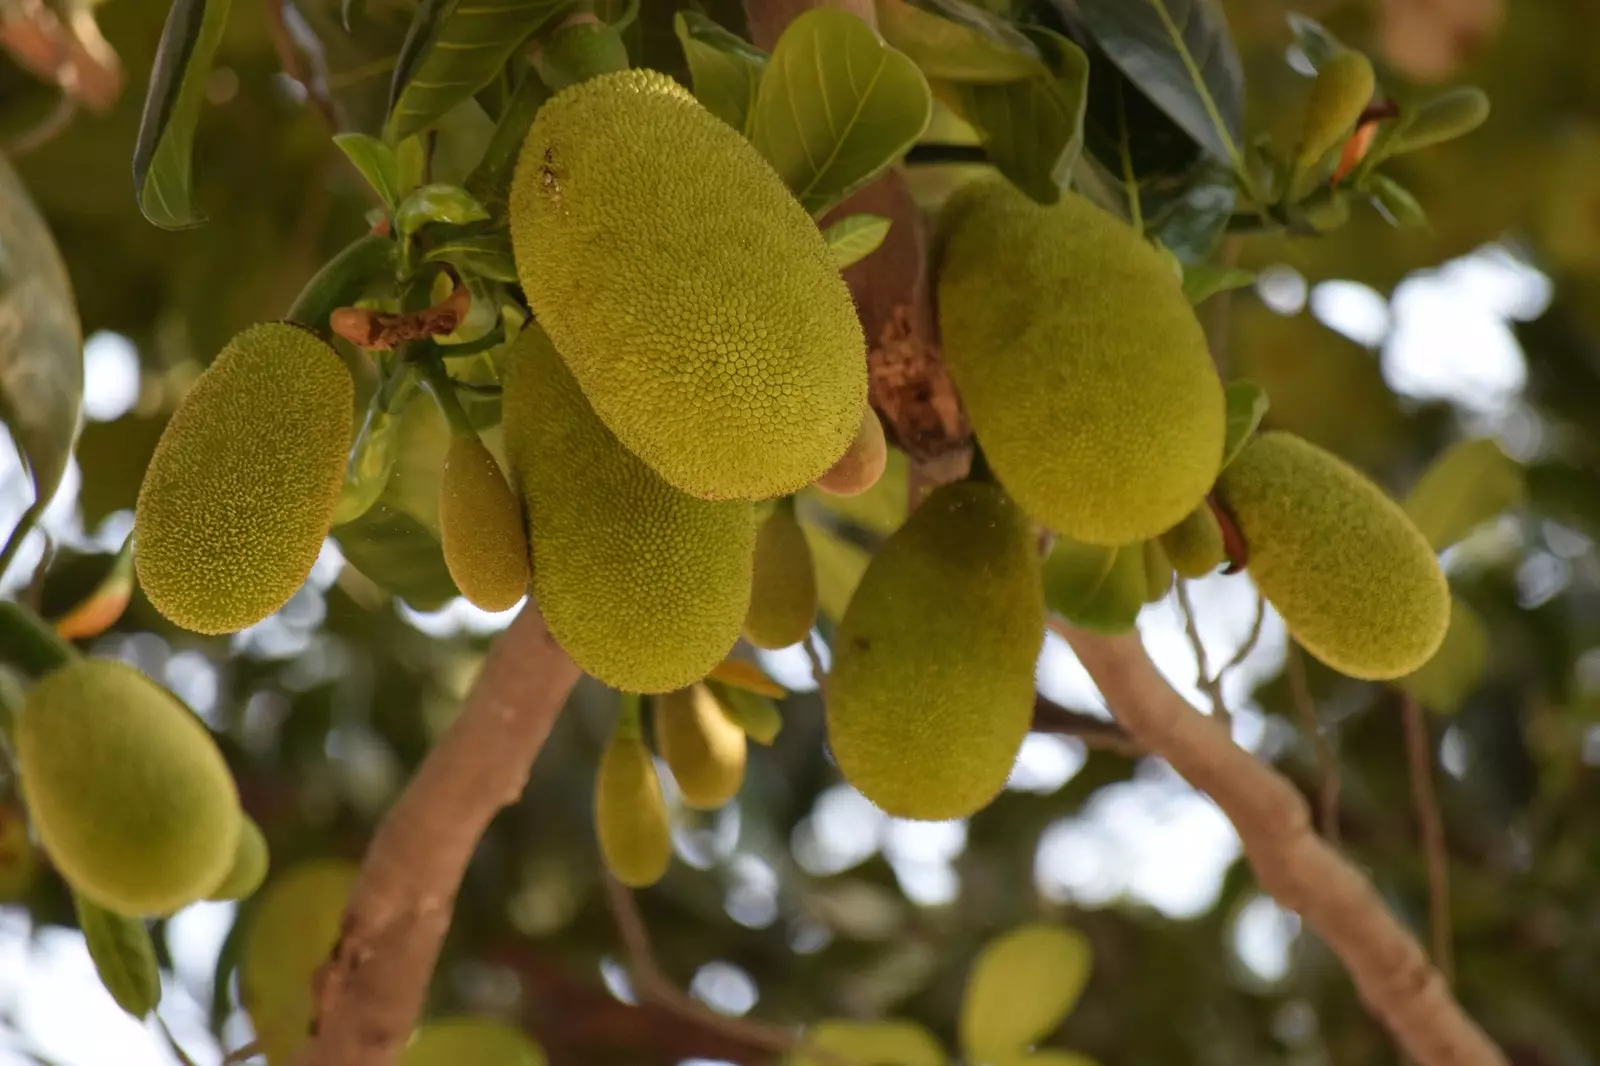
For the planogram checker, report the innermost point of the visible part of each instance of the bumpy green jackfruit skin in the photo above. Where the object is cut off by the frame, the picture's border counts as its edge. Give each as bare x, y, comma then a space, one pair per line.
862, 464
1082, 366
128, 792
931, 691
240, 492
249, 868
703, 747
1355, 581
1195, 545
645, 586
693, 297
1341, 92
630, 813
480, 527
783, 591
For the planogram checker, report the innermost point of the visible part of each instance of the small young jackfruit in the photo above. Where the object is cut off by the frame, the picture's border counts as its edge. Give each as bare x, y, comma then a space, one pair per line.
860, 467
240, 492
469, 1041
128, 792
1195, 544
783, 592
703, 747
694, 299
1355, 581
1157, 571
757, 715
480, 527
249, 867
644, 586
630, 814
931, 691
1342, 90
1104, 423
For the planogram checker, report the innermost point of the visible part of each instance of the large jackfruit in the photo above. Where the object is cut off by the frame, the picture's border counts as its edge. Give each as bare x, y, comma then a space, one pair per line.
1082, 366
644, 586
694, 299
1355, 581
703, 747
783, 591
128, 792
480, 527
239, 495
931, 691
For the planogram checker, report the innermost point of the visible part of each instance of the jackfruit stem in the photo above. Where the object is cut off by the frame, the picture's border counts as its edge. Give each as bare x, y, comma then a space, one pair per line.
443, 388
628, 725
30, 644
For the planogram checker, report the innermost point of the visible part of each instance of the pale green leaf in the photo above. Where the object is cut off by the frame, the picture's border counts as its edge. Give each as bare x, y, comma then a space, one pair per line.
1453, 113
437, 203
839, 564
725, 69
953, 41
854, 237
372, 455
375, 160
1246, 406
1204, 280
123, 956
886, 1043
487, 255
1098, 588
836, 107
1469, 484
399, 554
163, 156
1457, 668
1021, 987
757, 715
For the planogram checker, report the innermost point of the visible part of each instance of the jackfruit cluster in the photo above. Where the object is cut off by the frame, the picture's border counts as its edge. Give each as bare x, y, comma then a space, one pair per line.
480, 527
630, 813
783, 591
645, 587
1356, 582
130, 796
240, 492
693, 298
931, 690
1080, 362
703, 747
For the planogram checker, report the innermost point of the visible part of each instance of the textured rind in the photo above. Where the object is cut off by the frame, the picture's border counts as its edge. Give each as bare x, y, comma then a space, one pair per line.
240, 492
630, 813
702, 746
1081, 364
644, 586
694, 299
783, 591
1355, 581
1195, 545
862, 464
130, 797
931, 690
1342, 90
249, 867
480, 527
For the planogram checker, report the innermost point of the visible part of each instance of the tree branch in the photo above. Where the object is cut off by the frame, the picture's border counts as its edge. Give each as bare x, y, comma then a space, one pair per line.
370, 991
1431, 826
1051, 717
1300, 871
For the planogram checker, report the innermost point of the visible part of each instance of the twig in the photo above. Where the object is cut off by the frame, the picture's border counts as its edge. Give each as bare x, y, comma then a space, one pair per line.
46, 130
244, 1053
818, 674
1051, 717
293, 63
370, 991
650, 985
1434, 846
1209, 684
1250, 641
1303, 873
1327, 759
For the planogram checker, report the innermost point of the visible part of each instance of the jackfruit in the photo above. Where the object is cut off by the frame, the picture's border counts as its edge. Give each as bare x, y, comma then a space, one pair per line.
240, 492
644, 586
470, 1041
1195, 544
480, 527
292, 930
783, 592
1104, 424
1157, 571
693, 298
1355, 581
756, 714
860, 467
931, 691
249, 869
131, 799
1341, 92
630, 814
703, 747
1021, 986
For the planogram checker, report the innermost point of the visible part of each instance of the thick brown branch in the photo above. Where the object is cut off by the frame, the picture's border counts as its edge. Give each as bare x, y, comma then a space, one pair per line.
1301, 871
1097, 733
370, 990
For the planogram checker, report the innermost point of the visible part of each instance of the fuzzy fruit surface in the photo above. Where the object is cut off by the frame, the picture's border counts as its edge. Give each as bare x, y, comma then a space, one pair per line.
783, 593
480, 527
630, 813
702, 746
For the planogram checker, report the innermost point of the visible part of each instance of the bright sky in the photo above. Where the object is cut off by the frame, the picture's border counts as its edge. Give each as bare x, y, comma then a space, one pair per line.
1150, 841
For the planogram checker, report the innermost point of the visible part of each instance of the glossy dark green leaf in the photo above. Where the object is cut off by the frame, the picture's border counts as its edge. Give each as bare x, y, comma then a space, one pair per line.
1204, 280
1247, 405
1314, 40
375, 160
490, 181
163, 157
437, 203
124, 956
485, 255
344, 279
463, 47
726, 69
836, 107
373, 453
854, 237
399, 554
954, 41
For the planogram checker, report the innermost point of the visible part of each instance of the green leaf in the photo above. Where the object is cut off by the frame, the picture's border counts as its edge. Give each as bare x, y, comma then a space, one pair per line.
1049, 1056
486, 255
839, 564
163, 157
757, 715
1098, 588
459, 50
123, 955
954, 41
1204, 280
1178, 53
373, 453
725, 69
375, 160
398, 553
1246, 405
344, 279
1032, 130
1456, 670
492, 177
1469, 484
836, 107
886, 1043
1397, 202
41, 349
437, 203
1021, 986
854, 237
1451, 114
1314, 40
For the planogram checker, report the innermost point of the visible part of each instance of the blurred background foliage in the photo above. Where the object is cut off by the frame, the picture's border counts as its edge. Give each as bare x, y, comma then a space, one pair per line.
798, 901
